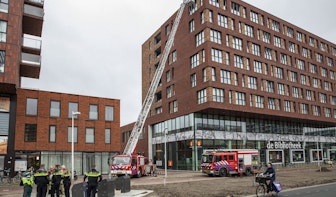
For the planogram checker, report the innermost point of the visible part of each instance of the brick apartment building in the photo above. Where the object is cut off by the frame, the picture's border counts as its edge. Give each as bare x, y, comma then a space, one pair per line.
35, 125
238, 77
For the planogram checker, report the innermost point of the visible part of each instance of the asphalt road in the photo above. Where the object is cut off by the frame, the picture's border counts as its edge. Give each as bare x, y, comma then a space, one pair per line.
325, 190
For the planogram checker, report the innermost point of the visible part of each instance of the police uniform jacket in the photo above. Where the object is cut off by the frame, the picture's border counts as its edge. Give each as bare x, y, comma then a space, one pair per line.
93, 177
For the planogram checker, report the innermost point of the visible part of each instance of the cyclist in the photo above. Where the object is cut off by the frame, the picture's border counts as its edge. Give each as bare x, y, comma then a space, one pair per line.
270, 175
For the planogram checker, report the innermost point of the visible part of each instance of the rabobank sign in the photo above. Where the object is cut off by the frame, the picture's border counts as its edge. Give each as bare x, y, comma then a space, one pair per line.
284, 145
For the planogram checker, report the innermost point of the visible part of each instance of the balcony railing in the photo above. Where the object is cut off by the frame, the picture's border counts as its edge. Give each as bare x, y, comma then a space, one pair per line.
32, 43
33, 10
32, 59
37, 1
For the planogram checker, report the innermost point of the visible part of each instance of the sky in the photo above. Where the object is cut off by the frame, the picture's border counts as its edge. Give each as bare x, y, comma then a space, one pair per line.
93, 48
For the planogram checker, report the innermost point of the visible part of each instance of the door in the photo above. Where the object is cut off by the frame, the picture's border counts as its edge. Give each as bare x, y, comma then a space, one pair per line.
89, 159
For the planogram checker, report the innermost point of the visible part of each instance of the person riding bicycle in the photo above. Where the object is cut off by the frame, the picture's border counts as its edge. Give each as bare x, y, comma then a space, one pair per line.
270, 175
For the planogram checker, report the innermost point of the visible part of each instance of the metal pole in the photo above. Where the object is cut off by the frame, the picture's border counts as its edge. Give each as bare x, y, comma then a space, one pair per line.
165, 153
72, 146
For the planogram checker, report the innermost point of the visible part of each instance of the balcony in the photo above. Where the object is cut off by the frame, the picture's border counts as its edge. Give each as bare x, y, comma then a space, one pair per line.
30, 65
33, 14
31, 45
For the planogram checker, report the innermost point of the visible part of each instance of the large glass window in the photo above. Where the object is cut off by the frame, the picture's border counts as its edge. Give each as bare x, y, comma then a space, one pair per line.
89, 135
52, 133
107, 136
31, 106
2, 61
55, 108
70, 134
93, 114
30, 133
73, 107
109, 113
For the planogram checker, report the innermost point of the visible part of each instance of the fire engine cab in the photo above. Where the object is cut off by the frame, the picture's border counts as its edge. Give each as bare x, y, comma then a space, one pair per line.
132, 165
227, 162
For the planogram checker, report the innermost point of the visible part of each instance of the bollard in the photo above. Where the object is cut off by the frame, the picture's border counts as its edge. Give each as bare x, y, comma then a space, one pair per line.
106, 188
126, 184
79, 190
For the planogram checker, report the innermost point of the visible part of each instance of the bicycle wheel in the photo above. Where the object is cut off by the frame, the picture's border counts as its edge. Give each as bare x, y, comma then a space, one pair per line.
260, 191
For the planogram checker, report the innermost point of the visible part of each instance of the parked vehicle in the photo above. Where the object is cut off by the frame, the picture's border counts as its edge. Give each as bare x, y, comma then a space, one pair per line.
226, 162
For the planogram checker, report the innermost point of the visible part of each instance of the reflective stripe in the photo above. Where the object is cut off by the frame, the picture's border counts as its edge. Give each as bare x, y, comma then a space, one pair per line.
93, 174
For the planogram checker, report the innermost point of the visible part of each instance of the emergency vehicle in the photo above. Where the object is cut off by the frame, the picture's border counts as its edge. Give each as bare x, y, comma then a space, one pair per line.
227, 162
132, 165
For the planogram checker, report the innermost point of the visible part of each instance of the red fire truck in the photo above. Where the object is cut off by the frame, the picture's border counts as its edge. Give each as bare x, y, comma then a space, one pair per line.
227, 162
132, 165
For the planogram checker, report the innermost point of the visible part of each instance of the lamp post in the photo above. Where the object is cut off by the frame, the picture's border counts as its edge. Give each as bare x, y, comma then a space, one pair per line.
165, 151
72, 143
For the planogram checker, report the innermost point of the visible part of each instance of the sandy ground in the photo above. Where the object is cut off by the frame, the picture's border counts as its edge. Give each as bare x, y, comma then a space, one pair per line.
195, 184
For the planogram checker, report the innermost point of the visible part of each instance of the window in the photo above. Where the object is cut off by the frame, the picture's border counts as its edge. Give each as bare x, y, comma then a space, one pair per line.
313, 68
3, 31
89, 135
213, 74
315, 83
291, 47
52, 133
170, 91
2, 61
255, 49
225, 76
75, 132
327, 112
301, 64
269, 86
173, 107
305, 52
191, 26
218, 95
287, 106
55, 108
254, 17
319, 57
290, 32
324, 72
237, 43
268, 53
235, 8
240, 98
275, 26
73, 107
304, 108
30, 133
199, 38
109, 113
267, 37
293, 76
281, 89
257, 67
168, 76
4, 6
193, 80
259, 101
215, 36
238, 61
323, 98
271, 103
174, 54
329, 61
332, 75
31, 107
299, 36
308, 95
93, 113
216, 55
201, 96
279, 72
194, 60
277, 41
249, 31
214, 2
295, 92
252, 82
311, 41
222, 21
107, 136
323, 46
283, 58
303, 79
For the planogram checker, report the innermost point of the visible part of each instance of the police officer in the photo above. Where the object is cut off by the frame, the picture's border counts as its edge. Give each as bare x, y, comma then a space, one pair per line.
41, 179
66, 182
56, 181
93, 178
27, 182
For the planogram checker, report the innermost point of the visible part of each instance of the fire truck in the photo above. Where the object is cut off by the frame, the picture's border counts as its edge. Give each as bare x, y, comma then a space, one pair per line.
130, 163
227, 162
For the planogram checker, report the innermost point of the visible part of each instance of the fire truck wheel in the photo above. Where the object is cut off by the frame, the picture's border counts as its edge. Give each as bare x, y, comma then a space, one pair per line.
248, 172
139, 174
223, 172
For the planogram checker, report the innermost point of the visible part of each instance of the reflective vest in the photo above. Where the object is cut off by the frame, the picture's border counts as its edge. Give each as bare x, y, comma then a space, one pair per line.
28, 180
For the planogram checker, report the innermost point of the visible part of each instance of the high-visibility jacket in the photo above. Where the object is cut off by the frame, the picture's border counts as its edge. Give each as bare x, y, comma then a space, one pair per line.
93, 177
28, 180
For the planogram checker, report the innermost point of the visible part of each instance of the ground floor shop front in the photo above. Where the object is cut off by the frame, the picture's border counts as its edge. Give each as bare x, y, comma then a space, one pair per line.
279, 142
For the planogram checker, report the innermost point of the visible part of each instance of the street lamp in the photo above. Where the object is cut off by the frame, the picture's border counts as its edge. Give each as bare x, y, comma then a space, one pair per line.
72, 143
165, 151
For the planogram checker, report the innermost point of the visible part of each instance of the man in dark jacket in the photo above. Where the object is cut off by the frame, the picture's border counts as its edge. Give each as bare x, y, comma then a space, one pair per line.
56, 181
41, 179
93, 178
270, 173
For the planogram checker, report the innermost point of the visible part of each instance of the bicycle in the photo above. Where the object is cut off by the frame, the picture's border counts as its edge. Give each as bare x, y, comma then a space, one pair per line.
262, 186
5, 177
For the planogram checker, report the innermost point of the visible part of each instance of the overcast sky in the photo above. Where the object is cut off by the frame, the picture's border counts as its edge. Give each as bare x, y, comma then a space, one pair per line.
93, 47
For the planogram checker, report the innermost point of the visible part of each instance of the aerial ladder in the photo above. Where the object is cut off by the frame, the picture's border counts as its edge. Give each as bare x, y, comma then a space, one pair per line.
138, 126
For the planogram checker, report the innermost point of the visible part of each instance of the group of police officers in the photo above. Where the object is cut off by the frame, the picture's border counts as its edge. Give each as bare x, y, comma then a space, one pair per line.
56, 179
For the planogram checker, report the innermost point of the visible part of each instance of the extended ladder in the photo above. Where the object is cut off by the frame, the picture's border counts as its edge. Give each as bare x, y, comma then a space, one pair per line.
133, 139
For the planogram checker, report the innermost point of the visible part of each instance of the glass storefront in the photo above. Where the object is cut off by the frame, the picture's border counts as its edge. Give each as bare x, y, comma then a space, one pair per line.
189, 135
